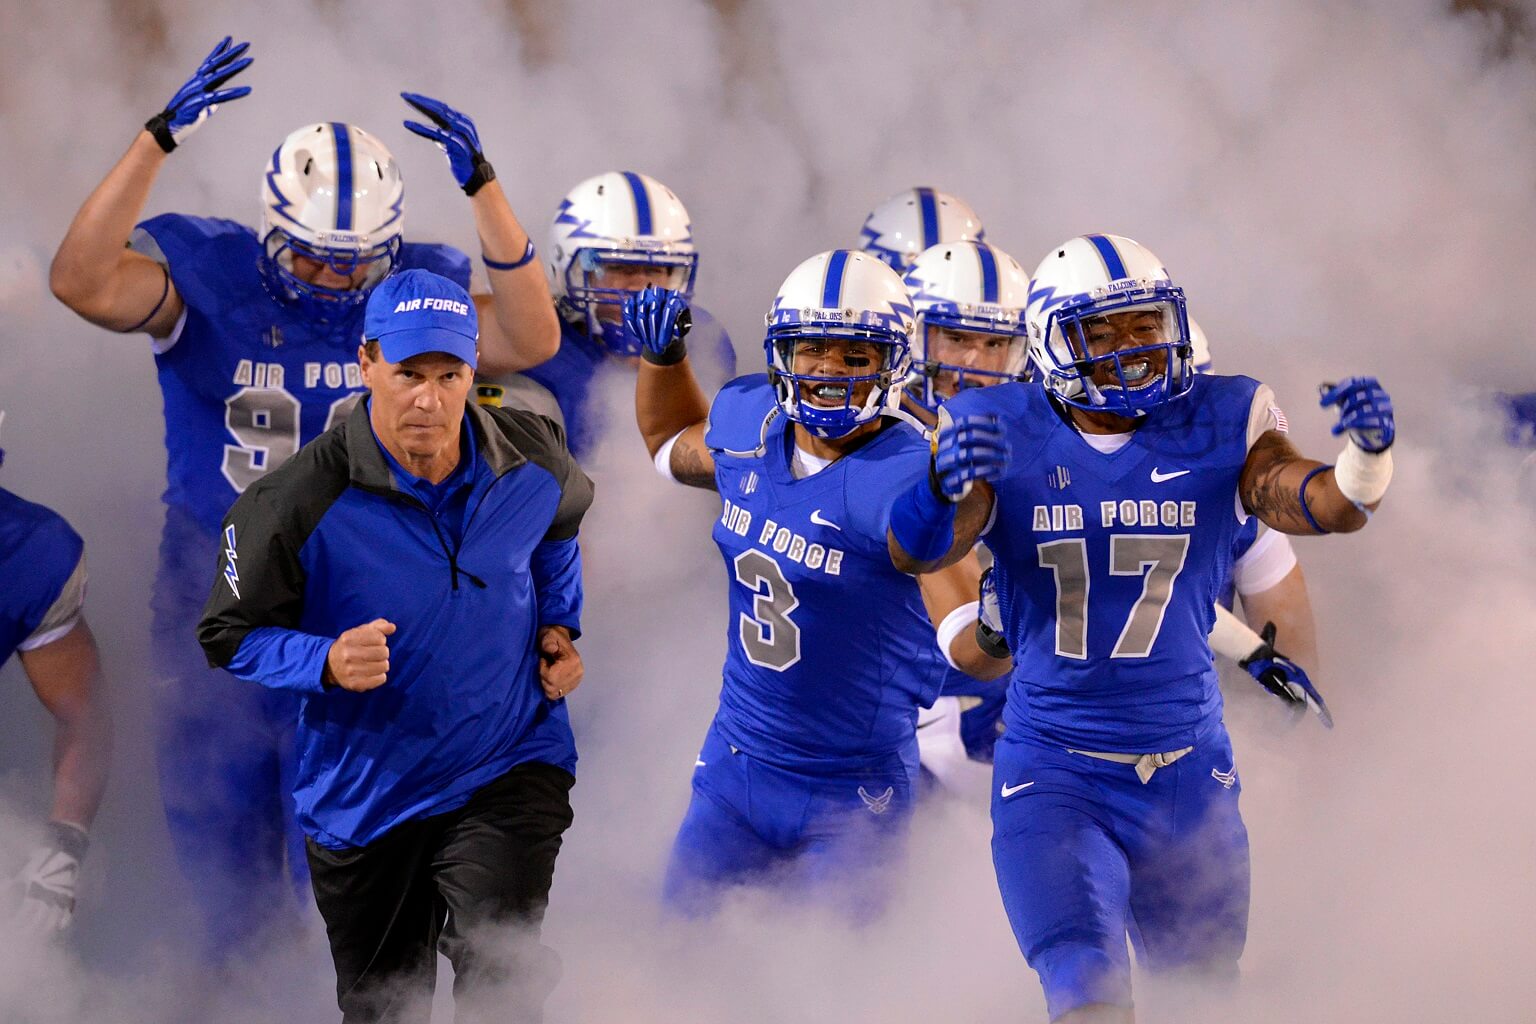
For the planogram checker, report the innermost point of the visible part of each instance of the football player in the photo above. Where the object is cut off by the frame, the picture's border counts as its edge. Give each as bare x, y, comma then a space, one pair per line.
968, 301
807, 769
1265, 575
911, 222
255, 340
612, 236
42, 560
1115, 799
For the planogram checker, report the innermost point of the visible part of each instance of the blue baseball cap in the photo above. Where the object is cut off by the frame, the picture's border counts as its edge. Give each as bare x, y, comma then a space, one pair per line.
417, 311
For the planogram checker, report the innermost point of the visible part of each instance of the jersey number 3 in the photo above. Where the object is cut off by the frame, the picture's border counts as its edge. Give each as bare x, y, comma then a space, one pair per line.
1159, 558
769, 636
265, 425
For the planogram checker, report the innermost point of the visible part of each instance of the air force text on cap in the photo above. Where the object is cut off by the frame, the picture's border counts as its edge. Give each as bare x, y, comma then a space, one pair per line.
445, 305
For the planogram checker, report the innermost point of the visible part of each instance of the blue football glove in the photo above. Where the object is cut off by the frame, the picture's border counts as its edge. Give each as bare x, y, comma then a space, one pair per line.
201, 96
1365, 411
455, 135
965, 450
658, 319
1284, 678
989, 624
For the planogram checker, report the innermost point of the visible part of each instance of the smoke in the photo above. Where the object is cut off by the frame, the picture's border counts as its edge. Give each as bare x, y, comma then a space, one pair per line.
1340, 188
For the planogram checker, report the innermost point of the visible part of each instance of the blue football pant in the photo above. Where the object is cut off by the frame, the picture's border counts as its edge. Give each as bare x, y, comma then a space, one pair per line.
1086, 854
225, 754
833, 837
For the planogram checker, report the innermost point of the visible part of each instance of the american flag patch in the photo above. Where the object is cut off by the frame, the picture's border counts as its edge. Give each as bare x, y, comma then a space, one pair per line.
1280, 421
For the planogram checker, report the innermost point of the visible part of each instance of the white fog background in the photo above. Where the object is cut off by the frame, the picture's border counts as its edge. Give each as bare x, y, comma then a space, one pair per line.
1341, 186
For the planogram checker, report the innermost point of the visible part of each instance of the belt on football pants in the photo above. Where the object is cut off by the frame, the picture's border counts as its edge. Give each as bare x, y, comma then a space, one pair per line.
1145, 764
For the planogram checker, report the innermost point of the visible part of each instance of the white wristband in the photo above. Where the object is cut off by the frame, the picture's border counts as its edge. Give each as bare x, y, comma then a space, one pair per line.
962, 618
663, 460
1231, 637
1362, 476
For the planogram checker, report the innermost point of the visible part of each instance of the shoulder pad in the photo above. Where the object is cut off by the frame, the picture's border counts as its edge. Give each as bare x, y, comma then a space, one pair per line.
740, 414
212, 261
440, 259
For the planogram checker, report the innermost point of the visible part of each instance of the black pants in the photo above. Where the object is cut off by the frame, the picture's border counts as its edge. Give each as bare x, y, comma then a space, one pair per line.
475, 879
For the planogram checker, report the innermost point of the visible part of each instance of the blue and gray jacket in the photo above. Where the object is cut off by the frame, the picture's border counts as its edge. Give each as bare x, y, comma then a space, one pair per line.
334, 539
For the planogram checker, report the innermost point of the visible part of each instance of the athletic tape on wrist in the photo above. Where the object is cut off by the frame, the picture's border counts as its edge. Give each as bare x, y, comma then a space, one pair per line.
1363, 476
1233, 638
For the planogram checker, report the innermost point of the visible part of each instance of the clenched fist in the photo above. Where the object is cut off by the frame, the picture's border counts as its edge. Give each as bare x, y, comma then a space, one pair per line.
359, 659
560, 667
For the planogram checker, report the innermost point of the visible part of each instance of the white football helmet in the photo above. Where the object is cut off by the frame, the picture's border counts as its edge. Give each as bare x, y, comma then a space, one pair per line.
332, 193
619, 218
1093, 276
901, 228
1200, 348
972, 287
839, 296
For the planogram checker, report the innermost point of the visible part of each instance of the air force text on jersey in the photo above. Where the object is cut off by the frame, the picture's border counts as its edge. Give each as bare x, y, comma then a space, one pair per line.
784, 541
1125, 512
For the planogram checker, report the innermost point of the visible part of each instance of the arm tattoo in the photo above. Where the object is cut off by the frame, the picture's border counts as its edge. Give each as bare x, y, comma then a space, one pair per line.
1270, 484
691, 466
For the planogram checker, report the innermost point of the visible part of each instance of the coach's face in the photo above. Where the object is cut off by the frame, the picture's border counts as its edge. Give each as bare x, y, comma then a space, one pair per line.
417, 406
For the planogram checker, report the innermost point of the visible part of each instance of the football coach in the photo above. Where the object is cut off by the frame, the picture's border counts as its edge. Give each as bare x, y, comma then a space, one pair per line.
414, 573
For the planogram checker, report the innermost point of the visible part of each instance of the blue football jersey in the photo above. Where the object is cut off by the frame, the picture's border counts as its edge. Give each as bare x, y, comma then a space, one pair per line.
39, 552
568, 374
1247, 536
830, 652
249, 379
1108, 564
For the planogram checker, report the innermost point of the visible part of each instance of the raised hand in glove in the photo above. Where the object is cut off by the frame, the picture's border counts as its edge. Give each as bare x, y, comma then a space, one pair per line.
965, 450
658, 319
195, 101
455, 135
1365, 412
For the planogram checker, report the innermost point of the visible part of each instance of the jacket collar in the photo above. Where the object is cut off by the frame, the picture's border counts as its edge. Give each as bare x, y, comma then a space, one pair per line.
367, 467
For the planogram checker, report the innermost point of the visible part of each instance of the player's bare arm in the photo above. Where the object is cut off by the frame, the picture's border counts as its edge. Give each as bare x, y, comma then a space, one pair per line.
94, 273
1288, 605
518, 326
1296, 495
950, 596
1270, 487
66, 676
669, 404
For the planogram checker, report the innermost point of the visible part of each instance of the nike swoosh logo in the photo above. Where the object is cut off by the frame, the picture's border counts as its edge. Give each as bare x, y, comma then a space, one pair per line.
1008, 790
699, 764
1158, 478
817, 518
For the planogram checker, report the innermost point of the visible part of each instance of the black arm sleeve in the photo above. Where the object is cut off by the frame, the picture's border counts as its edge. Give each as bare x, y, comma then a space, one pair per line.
258, 580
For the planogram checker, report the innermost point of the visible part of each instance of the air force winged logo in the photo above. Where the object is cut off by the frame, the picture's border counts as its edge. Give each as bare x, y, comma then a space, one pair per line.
877, 803
231, 572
